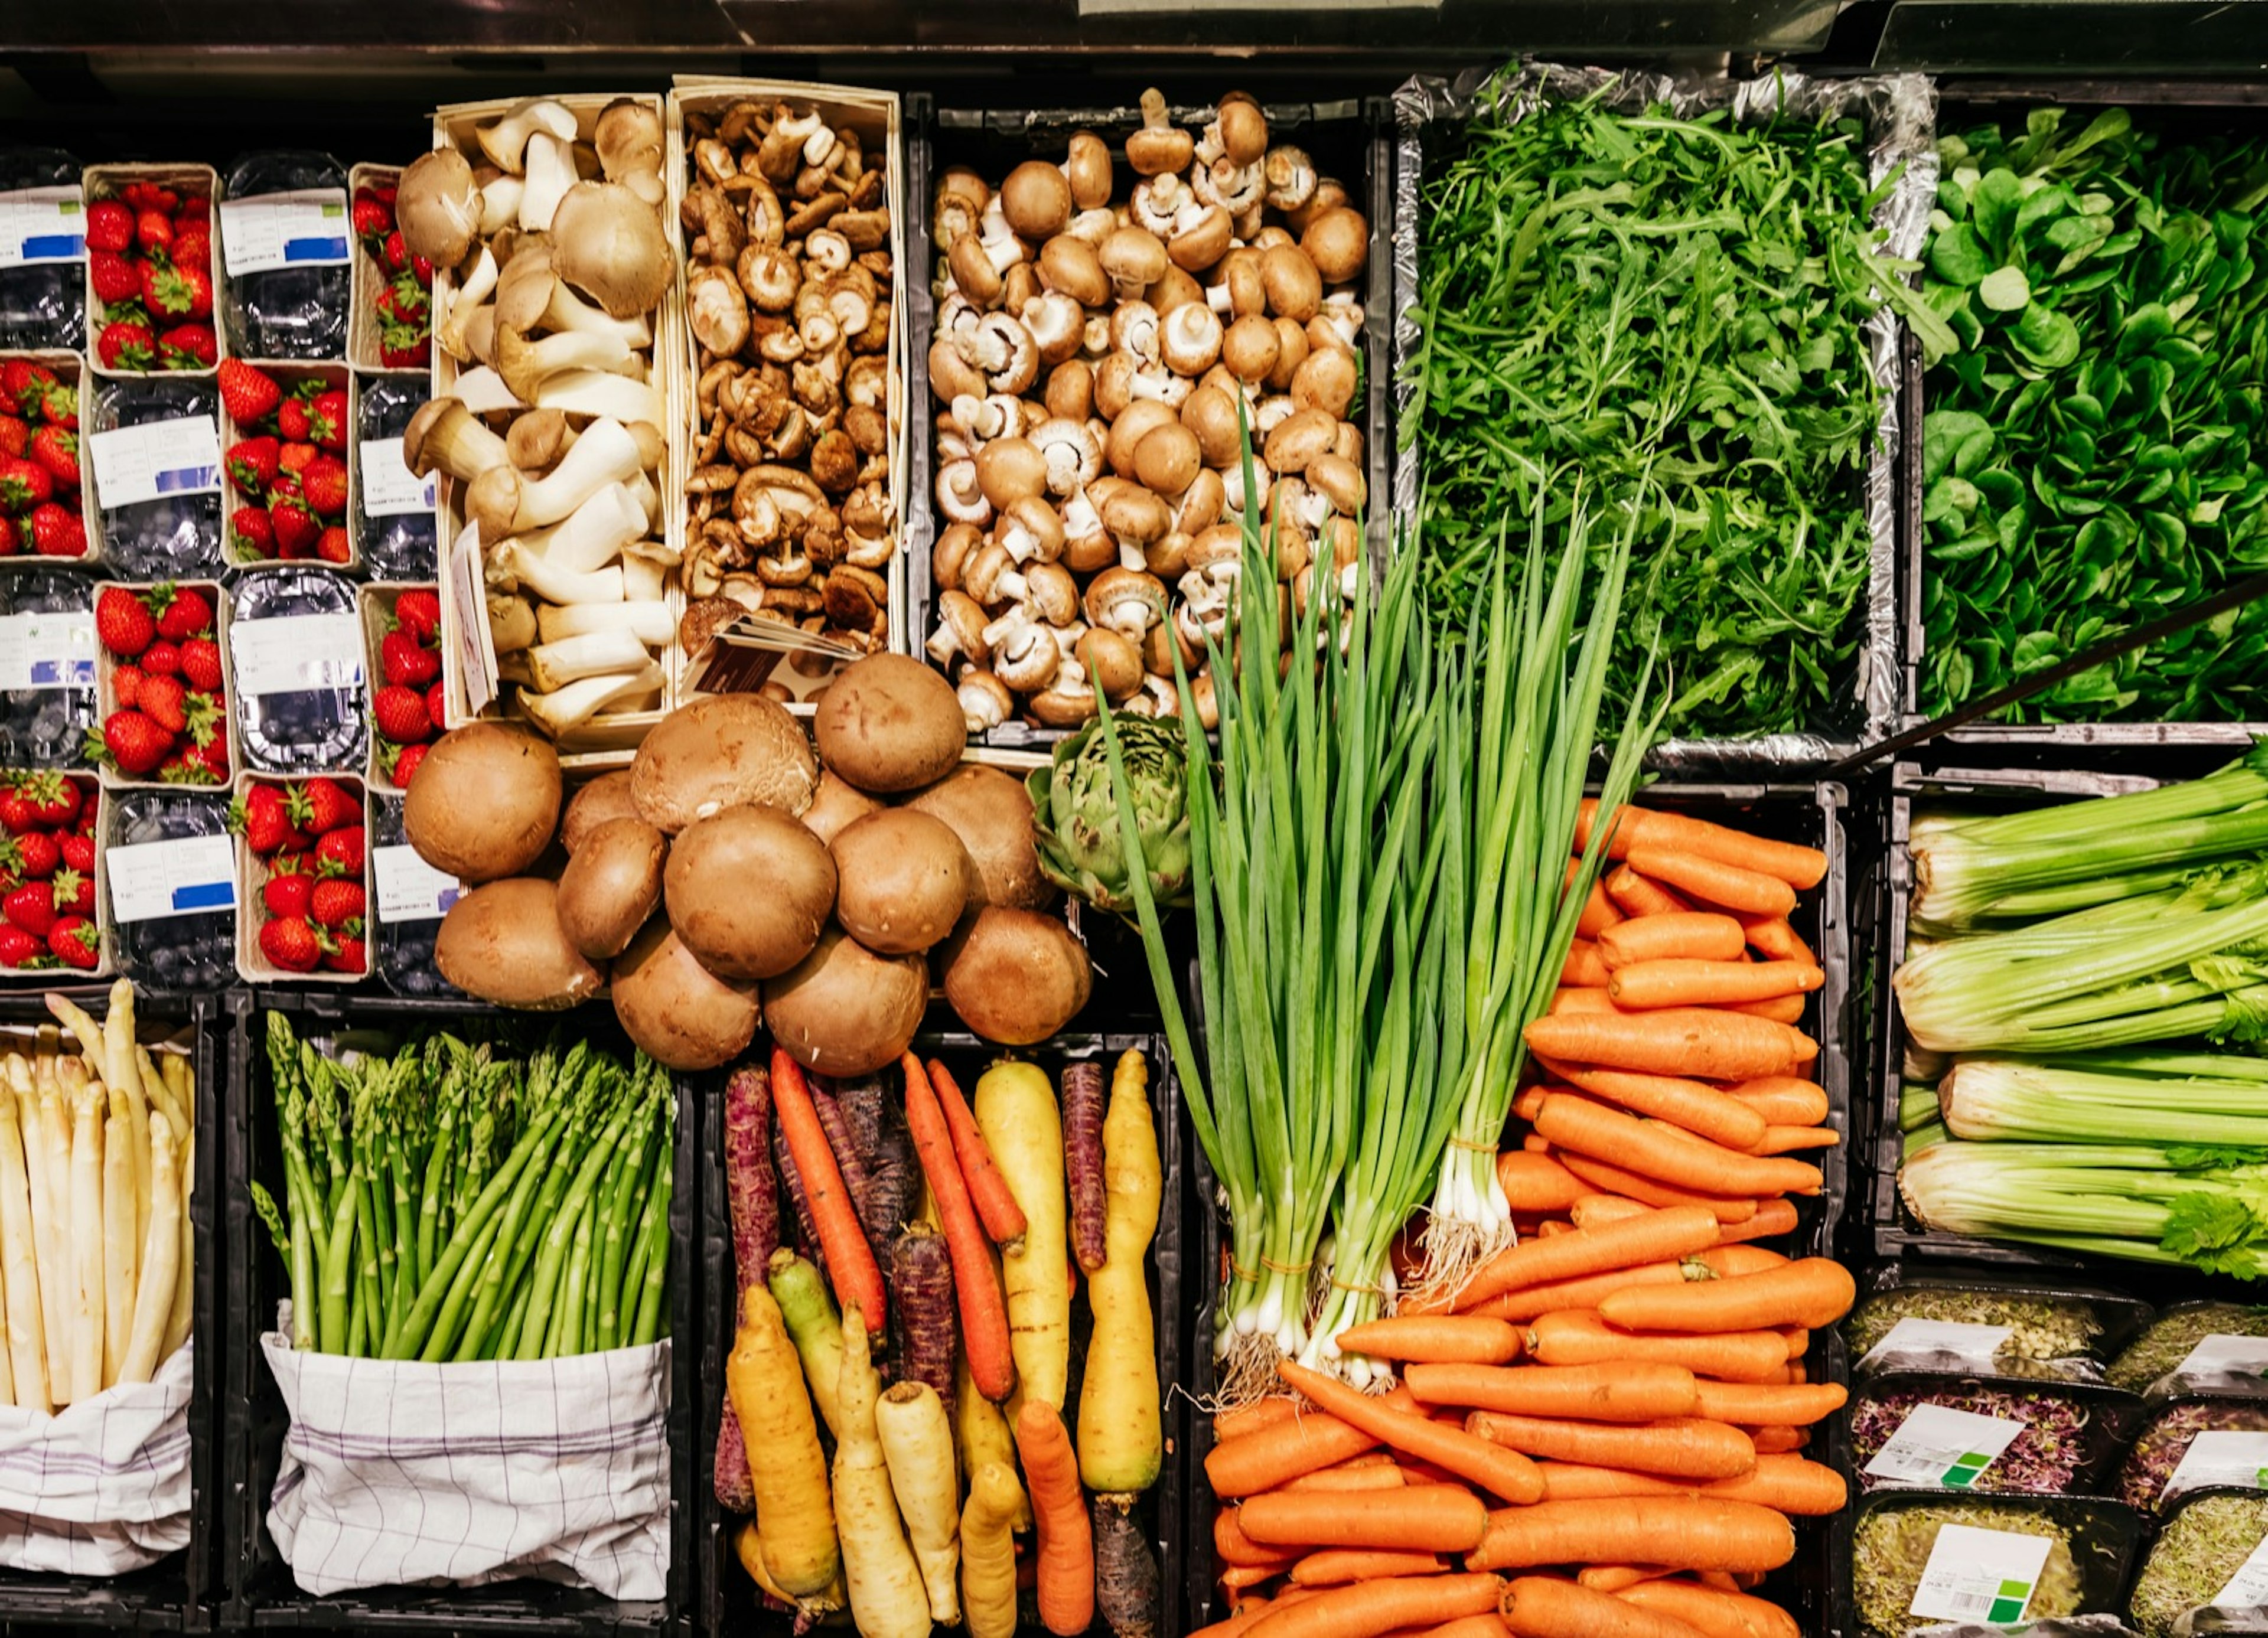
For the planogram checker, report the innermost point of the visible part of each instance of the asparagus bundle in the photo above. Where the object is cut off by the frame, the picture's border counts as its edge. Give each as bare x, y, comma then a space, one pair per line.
455, 1202
95, 1251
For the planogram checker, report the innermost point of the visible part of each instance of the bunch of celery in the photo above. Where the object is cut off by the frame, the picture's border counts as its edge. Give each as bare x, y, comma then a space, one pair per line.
454, 1203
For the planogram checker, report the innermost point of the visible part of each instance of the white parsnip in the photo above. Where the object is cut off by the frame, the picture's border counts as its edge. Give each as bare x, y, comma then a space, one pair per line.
888, 1597
916, 1440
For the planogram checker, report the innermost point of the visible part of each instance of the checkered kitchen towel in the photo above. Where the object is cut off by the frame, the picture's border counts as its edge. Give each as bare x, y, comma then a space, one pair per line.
397, 1474
101, 1487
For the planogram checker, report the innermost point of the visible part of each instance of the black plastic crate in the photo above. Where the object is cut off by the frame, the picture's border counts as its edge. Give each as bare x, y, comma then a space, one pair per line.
260, 1590
1806, 814
179, 1592
729, 1600
1347, 139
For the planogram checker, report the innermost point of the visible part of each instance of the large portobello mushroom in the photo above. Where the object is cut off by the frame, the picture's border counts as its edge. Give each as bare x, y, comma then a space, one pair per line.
725, 751
843, 1009
749, 889
485, 802
502, 944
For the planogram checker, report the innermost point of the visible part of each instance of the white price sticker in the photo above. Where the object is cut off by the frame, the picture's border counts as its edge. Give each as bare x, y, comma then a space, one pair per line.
40, 224
158, 458
2221, 1354
1912, 1340
296, 653
1936, 1445
2247, 1588
409, 889
304, 229
1980, 1575
189, 876
53, 651
2220, 1457
389, 488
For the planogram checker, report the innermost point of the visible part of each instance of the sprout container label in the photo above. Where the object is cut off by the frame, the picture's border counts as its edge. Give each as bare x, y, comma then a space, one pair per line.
2220, 1355
1980, 1575
2218, 1457
1936, 1445
1940, 1339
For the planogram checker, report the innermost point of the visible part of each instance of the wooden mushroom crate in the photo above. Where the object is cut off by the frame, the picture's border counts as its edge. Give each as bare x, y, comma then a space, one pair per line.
557, 374
790, 203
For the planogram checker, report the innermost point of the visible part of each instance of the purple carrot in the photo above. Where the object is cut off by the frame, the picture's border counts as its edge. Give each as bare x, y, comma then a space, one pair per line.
791, 1185
921, 1310
736, 1492
1082, 1140
847, 1159
751, 1192
892, 1181
861, 1101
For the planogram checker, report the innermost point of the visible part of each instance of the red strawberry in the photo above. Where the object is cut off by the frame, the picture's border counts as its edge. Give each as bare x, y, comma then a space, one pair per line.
10, 544
261, 817
211, 758
323, 805
59, 406
153, 229
436, 704
16, 815
339, 852
192, 209
336, 903
290, 942
24, 484
288, 894
189, 347
32, 907
37, 856
109, 226
295, 457
57, 531
326, 418
161, 658
172, 293
201, 664
193, 247
405, 763
406, 661
297, 529
19, 948
394, 253
400, 714
25, 382
51, 799
126, 344
165, 700
186, 612
251, 533
78, 854
248, 395
294, 422
14, 436
133, 742
372, 219
348, 954
74, 941
418, 611
421, 267
57, 449
113, 278
139, 195
404, 355
334, 546
253, 463
74, 893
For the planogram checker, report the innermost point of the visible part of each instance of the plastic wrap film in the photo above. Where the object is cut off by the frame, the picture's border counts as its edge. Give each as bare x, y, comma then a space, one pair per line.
1900, 112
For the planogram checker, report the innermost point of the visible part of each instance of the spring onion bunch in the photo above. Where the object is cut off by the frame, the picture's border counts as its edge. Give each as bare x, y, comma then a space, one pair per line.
452, 1203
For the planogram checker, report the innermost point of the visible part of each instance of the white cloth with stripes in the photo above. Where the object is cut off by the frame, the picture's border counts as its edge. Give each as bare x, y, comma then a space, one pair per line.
102, 1487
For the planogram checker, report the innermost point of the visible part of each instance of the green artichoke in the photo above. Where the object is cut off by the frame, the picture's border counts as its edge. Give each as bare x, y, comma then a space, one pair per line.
1076, 814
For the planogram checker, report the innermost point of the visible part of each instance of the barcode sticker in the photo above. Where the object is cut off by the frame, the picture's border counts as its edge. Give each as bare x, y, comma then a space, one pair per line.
389, 488
1936, 1445
39, 224
2220, 1457
297, 653
1938, 1339
187, 875
2247, 1588
156, 459
2221, 1354
1980, 1575
409, 889
306, 228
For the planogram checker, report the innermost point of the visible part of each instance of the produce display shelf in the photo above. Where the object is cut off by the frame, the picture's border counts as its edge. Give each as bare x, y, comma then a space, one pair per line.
179, 1593
728, 1598
261, 1591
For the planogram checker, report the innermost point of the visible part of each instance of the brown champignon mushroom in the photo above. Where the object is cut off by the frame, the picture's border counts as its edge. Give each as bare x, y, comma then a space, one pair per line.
1249, 348
1201, 504
1086, 167
955, 544
985, 702
1158, 146
1243, 129
1338, 242
1295, 290
1072, 453
959, 494
1291, 348
1058, 325
1329, 194
1325, 381
1211, 414
1024, 654
1003, 351
1036, 199
1110, 659
1134, 260
1188, 340
1132, 424
1239, 273
1174, 290
1201, 238
1020, 286
1129, 601
1134, 515
1167, 459
1031, 530
1113, 384
1291, 177
972, 271
1071, 266
1298, 439
1008, 469
1339, 481
1071, 389
608, 243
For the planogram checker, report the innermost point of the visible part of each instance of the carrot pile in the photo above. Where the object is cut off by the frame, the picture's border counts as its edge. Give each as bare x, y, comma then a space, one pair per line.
1600, 1435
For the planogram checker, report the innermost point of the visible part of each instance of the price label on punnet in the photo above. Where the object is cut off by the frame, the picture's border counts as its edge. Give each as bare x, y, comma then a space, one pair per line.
187, 875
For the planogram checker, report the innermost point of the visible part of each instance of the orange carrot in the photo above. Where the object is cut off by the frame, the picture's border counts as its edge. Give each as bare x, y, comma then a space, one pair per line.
1688, 1532
1476, 1461
1783, 1140
1234, 1578
1537, 1183
1773, 936
1373, 1608
1754, 1405
1620, 1392
1486, 1625
1619, 835
1650, 1239
976, 1292
1615, 1578
1725, 1261
1594, 1210
1681, 982
1545, 1606
1675, 1040
1527, 1302
1778, 1441
1335, 1566
1652, 1190
1750, 892
1780, 1009
1252, 1418
1797, 865
1231, 1544
1782, 1100
1434, 1337
1263, 1459
1716, 1613
1551, 1226
1798, 1339
1785, 1483
1581, 999
1584, 965
1815, 1292
1699, 1108
1376, 1472
1247, 1612
1066, 1541
1599, 912
1659, 1150
1677, 1447
1578, 1338
1579, 1482
850, 1263
988, 1190
1634, 895
1433, 1518
1773, 1218
1686, 934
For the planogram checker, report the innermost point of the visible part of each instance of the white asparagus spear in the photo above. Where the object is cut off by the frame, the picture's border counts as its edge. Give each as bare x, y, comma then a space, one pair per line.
38, 1110
178, 1317
162, 1273
26, 1330
120, 1248
84, 1248
122, 1074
